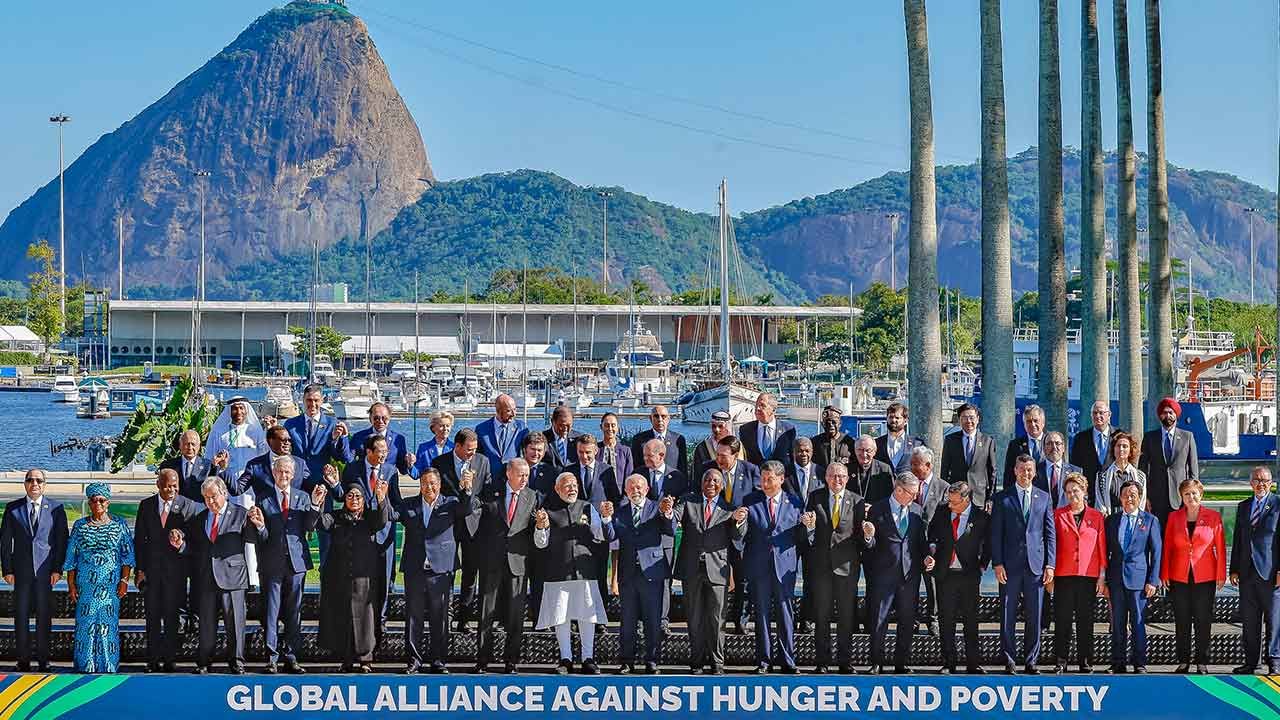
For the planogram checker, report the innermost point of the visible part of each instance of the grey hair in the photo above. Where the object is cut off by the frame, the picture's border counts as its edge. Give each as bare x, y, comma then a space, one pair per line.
656, 443
439, 415
904, 480
806, 442
922, 452
773, 467
515, 462
1057, 434
282, 461
213, 483
1033, 410
865, 439
836, 465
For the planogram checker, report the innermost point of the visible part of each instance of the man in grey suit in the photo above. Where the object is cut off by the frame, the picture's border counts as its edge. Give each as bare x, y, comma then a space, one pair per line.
160, 572
702, 564
216, 538
933, 493
1052, 471
1168, 457
970, 456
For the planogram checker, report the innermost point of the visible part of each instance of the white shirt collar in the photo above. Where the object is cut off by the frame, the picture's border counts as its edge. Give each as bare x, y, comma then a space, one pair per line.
35, 501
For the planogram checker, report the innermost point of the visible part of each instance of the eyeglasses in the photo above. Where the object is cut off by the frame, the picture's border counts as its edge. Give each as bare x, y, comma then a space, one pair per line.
37, 481
96, 500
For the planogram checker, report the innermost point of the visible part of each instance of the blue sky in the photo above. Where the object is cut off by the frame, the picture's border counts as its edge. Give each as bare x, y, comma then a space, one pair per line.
836, 69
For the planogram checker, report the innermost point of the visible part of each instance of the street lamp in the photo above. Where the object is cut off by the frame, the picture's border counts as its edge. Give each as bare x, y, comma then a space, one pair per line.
1253, 259
61, 120
893, 249
604, 263
197, 354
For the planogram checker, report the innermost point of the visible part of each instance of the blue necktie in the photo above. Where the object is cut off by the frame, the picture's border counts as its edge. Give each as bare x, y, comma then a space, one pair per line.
1168, 448
1258, 505
1128, 532
1100, 442
968, 450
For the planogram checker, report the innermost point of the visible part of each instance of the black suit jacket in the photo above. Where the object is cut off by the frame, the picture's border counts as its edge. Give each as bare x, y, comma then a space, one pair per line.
505, 546
980, 474
676, 450
837, 449
817, 478
1042, 481
1018, 446
836, 550
603, 484
904, 463
152, 552
895, 556
552, 456
1163, 478
189, 485
875, 483
783, 442
1085, 456
706, 546
221, 563
972, 549
449, 481
674, 483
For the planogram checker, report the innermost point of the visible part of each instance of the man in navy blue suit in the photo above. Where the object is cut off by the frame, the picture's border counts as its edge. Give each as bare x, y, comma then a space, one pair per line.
33, 546
366, 472
596, 484
660, 422
320, 441
1133, 574
776, 530
562, 446
259, 475
429, 563
1023, 550
895, 531
1254, 552
645, 530
379, 424
284, 557
192, 467
768, 437
501, 434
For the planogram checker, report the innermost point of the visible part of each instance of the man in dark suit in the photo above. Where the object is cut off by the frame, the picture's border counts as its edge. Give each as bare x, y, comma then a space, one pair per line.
501, 434
379, 424
776, 531
596, 484
768, 437
216, 538
320, 441
959, 550
284, 557
1255, 551
708, 532
429, 561
1030, 444
367, 472
1168, 457
646, 548
705, 452
1052, 471
932, 495
664, 481
832, 563
562, 446
896, 532
1133, 573
803, 474
466, 460
542, 475
660, 421
869, 477
1023, 549
894, 447
258, 475
832, 444
160, 572
504, 529
970, 455
191, 466
33, 546
739, 479
1091, 447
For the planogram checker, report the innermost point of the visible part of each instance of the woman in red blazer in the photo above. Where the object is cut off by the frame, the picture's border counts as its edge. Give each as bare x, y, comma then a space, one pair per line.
1077, 573
1194, 567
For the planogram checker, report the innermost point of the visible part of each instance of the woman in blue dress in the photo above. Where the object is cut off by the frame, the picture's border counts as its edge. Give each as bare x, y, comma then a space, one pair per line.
99, 560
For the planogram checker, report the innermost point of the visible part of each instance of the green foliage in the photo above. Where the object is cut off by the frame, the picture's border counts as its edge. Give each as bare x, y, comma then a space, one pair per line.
12, 311
45, 313
151, 436
328, 341
13, 289
18, 357
74, 324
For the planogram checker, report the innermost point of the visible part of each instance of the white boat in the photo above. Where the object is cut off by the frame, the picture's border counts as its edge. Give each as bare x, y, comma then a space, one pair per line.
525, 399
577, 399
738, 399
95, 399
401, 370
279, 403
355, 397
440, 373
64, 389
324, 373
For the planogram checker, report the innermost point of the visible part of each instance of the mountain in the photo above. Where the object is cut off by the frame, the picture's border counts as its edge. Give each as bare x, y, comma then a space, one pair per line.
294, 120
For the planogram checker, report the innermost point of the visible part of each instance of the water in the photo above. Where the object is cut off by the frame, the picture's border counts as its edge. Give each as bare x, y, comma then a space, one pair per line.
30, 422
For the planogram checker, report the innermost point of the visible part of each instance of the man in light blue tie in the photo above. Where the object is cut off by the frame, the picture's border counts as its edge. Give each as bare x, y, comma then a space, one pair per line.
1023, 550
1031, 444
1132, 575
1254, 569
1091, 447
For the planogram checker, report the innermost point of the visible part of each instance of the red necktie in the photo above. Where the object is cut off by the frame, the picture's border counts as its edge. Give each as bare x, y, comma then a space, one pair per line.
373, 484
955, 534
773, 510
706, 514
164, 515
213, 532
511, 508
284, 505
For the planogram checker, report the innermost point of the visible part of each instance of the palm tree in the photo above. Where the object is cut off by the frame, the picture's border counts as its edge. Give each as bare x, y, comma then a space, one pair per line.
997, 287
1130, 311
1052, 276
924, 342
1159, 299
1094, 383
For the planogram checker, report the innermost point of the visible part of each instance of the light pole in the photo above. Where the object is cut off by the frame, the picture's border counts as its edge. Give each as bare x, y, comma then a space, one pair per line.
604, 263
893, 249
61, 120
197, 353
1253, 255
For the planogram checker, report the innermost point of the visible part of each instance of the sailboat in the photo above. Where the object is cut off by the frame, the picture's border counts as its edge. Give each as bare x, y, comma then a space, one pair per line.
723, 392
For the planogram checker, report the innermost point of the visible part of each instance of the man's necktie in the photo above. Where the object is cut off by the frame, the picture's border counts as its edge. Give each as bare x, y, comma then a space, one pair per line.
728, 486
955, 535
373, 483
1100, 442
1053, 479
923, 494
767, 449
35, 516
502, 441
635, 515
902, 521
968, 450
1168, 448
835, 512
1257, 511
186, 468
562, 450
773, 510
213, 531
164, 514
284, 506
706, 513
1035, 448
803, 481
1128, 532
511, 508
1026, 504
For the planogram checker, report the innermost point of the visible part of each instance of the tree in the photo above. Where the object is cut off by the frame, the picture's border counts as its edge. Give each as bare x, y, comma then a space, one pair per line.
74, 320
924, 377
1052, 276
1095, 345
997, 285
328, 342
1129, 383
44, 295
1159, 299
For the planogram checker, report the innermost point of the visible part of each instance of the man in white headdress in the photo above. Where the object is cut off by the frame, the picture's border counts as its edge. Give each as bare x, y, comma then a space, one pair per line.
238, 433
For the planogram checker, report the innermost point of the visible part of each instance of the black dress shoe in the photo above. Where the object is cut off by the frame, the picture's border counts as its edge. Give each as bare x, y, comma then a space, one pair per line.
412, 668
201, 670
790, 670
345, 668
564, 666
901, 670
819, 669
24, 666
976, 670
1010, 669
1183, 668
1032, 670
509, 668
153, 667
589, 667
480, 669
847, 670
1140, 669
717, 670
762, 669
1118, 670
293, 668
439, 668
737, 628
270, 669
43, 667
651, 668
236, 669
625, 668
1201, 669
875, 670
171, 667
1060, 669
1243, 670
365, 668
698, 671
804, 628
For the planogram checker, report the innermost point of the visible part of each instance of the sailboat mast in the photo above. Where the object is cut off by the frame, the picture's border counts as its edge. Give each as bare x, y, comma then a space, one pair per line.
724, 279
524, 342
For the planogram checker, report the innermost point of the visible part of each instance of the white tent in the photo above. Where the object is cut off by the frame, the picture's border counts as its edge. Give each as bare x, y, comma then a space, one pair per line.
19, 337
509, 356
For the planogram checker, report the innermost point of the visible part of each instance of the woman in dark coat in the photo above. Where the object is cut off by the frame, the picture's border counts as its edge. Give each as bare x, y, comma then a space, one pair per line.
347, 617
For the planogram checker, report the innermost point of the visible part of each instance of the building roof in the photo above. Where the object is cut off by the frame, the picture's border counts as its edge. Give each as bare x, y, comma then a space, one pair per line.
387, 345
17, 333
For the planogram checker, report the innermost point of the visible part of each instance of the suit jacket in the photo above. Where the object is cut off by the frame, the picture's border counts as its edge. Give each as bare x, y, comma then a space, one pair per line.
189, 485
1020, 446
674, 483
1205, 552
836, 549
874, 483
705, 546
426, 454
317, 448
1085, 456
285, 550
816, 477
1139, 564
357, 473
622, 463
1042, 481
980, 473
397, 448
772, 546
783, 442
542, 477
600, 483
552, 456
904, 462
506, 546
972, 549
676, 449
1163, 477
744, 479
828, 449
895, 557
151, 549
257, 476
649, 546
431, 537
449, 480
1082, 549
1256, 545
1023, 545
221, 563
26, 555
496, 452
932, 497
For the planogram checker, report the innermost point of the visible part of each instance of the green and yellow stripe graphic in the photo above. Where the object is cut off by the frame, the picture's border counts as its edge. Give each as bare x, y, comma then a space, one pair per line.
21, 696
